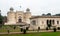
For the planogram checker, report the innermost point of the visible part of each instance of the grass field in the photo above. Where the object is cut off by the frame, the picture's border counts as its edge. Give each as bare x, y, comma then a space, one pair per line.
5, 28
35, 34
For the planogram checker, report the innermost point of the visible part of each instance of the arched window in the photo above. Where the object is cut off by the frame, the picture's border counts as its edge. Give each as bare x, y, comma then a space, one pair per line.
19, 19
34, 22
53, 21
47, 22
57, 22
50, 21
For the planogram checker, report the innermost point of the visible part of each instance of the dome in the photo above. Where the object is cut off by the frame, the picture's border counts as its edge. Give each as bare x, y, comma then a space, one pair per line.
27, 9
11, 9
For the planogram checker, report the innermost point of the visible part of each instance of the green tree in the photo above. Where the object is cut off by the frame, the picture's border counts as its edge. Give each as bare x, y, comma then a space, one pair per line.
49, 14
1, 18
57, 15
43, 14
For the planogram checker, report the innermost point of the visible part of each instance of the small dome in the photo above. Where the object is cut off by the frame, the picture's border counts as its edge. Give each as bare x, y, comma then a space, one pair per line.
11, 9
27, 9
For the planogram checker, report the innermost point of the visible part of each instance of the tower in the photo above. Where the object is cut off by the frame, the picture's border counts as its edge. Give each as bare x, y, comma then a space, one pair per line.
11, 16
27, 15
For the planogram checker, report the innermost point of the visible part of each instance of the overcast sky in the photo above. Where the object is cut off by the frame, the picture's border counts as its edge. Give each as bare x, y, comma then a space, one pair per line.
37, 7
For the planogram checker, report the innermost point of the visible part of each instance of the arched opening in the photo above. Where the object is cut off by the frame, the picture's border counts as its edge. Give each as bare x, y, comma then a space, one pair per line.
19, 20
53, 22
57, 22
48, 23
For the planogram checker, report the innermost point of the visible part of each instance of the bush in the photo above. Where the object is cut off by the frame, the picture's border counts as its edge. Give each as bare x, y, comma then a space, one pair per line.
58, 28
8, 31
1, 26
14, 27
54, 29
21, 29
38, 28
24, 31
27, 28
46, 28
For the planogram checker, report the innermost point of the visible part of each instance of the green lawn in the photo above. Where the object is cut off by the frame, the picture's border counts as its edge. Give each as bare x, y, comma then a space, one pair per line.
35, 34
5, 28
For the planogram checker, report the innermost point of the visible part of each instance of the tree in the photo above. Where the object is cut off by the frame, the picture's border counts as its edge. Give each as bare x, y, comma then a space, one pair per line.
54, 29
58, 28
24, 31
4, 19
21, 29
49, 14
14, 27
8, 31
27, 28
46, 28
1, 18
43, 14
57, 15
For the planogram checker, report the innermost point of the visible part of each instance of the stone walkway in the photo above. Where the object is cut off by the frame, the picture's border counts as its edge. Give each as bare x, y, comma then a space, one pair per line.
27, 32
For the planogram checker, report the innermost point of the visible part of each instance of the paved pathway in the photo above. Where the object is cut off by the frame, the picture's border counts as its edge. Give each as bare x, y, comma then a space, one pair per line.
27, 32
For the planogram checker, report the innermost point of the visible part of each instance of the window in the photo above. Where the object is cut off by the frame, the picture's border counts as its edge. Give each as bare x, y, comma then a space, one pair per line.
34, 22
53, 22
57, 22
48, 22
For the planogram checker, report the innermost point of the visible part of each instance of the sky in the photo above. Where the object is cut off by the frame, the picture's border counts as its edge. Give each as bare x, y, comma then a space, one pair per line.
37, 7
